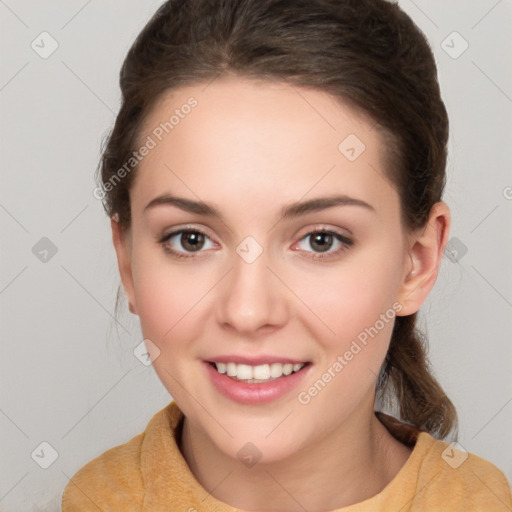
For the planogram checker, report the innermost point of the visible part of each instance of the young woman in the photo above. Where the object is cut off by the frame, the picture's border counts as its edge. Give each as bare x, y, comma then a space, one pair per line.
274, 182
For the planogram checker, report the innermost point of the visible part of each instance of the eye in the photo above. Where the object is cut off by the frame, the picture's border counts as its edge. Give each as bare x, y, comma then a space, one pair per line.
184, 241
324, 242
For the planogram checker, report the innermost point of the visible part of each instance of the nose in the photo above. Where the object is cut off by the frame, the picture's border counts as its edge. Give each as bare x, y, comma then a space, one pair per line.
252, 300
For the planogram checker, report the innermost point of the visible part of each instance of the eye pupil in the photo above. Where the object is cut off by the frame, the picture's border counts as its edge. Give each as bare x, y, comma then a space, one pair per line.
192, 240
321, 242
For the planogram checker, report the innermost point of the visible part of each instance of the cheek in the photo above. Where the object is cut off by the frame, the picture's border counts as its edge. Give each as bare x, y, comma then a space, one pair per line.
359, 308
355, 309
167, 297
352, 297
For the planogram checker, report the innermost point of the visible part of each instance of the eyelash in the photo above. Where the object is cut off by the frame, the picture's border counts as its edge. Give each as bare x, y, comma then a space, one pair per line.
345, 241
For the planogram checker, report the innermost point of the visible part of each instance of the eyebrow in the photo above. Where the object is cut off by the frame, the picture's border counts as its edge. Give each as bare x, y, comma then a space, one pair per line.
292, 210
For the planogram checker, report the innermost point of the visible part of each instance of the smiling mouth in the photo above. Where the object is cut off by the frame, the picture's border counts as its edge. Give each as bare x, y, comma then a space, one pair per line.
257, 374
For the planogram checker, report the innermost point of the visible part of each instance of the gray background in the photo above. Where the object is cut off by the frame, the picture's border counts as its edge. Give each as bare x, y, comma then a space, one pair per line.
68, 374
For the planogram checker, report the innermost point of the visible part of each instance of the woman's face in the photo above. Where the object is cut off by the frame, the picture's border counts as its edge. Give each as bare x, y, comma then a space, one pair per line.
293, 254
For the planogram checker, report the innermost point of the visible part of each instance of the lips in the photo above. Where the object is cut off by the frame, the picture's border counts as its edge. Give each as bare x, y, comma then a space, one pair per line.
255, 381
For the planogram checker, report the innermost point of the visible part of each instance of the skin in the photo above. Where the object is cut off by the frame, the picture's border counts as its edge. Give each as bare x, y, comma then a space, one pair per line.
249, 149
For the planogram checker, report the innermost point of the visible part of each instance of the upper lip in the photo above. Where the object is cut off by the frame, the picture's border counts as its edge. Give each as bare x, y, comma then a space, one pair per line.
254, 360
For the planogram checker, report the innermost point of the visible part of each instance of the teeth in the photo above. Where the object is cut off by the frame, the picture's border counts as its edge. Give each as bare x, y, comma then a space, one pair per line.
276, 370
260, 373
287, 368
231, 369
244, 372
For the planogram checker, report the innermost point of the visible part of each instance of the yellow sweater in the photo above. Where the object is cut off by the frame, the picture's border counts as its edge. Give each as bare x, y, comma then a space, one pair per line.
149, 474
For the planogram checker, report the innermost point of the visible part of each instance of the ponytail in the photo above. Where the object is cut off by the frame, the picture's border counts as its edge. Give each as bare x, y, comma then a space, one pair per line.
406, 383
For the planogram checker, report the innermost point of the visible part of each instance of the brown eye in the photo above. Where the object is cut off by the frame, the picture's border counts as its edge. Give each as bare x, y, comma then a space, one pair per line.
192, 240
184, 242
324, 244
321, 242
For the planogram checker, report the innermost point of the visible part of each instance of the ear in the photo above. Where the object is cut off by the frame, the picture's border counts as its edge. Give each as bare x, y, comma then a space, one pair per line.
425, 252
122, 245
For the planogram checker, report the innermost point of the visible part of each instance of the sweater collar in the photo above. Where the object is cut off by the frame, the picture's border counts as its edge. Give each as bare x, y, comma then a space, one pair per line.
168, 479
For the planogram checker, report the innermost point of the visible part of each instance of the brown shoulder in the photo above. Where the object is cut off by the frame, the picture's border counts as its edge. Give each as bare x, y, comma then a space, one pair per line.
111, 481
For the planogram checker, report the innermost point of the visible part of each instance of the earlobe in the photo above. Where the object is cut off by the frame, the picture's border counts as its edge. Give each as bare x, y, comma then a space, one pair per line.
425, 253
121, 241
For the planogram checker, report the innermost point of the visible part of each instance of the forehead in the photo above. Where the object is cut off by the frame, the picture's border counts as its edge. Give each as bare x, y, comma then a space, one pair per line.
240, 138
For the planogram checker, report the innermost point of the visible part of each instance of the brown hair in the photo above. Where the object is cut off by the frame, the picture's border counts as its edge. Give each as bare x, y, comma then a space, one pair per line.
366, 53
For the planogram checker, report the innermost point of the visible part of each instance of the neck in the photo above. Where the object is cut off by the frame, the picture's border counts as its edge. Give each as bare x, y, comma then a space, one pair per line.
351, 464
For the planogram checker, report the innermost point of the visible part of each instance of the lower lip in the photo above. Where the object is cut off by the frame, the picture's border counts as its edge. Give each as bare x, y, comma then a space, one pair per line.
257, 393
